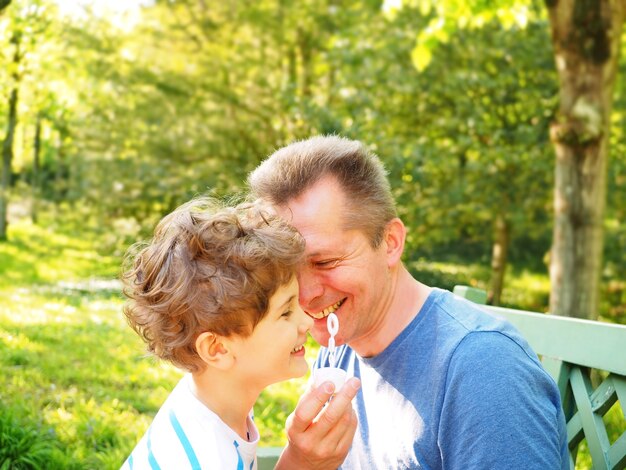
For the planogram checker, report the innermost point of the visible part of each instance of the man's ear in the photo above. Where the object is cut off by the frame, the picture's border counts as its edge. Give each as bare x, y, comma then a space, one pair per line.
214, 350
394, 238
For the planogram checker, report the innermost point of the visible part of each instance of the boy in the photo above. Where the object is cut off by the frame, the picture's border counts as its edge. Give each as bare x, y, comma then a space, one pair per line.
215, 293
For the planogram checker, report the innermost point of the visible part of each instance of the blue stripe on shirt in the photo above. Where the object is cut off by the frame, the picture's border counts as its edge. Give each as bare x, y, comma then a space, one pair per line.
151, 460
239, 459
182, 437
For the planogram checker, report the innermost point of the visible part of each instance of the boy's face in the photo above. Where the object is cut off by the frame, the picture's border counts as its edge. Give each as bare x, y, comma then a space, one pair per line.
275, 349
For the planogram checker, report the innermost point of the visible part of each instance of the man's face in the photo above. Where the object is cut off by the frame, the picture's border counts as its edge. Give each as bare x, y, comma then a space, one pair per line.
342, 273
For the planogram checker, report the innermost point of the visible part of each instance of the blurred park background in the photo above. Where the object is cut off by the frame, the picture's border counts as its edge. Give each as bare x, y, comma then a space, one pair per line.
113, 113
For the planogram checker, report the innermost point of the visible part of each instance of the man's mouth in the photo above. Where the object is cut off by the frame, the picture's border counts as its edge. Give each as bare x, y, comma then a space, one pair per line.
327, 311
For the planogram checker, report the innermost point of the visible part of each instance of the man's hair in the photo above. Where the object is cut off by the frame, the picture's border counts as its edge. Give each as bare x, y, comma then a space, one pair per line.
207, 268
293, 169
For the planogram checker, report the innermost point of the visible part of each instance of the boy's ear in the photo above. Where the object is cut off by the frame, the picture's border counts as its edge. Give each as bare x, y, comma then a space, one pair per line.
214, 350
395, 236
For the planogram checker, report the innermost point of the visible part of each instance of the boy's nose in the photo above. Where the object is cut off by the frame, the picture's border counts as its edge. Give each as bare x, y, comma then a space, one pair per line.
306, 322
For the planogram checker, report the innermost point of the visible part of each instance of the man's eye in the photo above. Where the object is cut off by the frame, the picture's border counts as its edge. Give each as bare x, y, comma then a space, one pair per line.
326, 263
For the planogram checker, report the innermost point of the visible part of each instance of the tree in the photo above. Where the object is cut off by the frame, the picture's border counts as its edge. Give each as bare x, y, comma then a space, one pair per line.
489, 97
586, 39
7, 143
24, 26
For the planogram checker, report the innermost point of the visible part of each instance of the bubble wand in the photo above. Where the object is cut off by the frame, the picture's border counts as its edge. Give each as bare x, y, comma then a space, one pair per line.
331, 373
332, 324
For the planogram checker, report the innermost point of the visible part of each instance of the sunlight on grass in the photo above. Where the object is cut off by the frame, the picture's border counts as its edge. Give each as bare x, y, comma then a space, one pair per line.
447, 275
19, 342
83, 374
78, 370
69, 363
40, 255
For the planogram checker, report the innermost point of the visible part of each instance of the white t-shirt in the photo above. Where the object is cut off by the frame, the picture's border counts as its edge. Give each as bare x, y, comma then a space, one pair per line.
185, 434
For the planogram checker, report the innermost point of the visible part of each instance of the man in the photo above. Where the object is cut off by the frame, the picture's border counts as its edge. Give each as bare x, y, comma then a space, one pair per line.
443, 384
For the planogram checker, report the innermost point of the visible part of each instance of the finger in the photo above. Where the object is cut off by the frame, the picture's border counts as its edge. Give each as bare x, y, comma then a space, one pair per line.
310, 406
337, 440
340, 405
345, 441
345, 425
334, 440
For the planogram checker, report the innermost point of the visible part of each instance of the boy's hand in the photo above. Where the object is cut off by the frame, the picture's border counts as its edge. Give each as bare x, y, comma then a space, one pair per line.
320, 436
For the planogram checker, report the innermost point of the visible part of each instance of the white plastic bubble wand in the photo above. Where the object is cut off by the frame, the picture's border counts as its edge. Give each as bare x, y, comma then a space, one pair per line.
332, 323
332, 373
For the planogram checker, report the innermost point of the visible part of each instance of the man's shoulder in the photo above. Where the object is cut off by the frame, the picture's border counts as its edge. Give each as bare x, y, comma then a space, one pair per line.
467, 316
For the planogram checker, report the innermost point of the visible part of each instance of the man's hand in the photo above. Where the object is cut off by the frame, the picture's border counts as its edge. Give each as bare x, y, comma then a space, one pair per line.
320, 432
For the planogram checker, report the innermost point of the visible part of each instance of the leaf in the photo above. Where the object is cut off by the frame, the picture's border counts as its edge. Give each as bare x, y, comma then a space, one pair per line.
421, 56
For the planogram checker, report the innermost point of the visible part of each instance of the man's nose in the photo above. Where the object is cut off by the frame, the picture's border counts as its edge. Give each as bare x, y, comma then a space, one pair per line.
310, 287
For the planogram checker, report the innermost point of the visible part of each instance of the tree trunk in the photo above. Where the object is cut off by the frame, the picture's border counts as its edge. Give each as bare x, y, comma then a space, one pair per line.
61, 174
586, 38
292, 74
36, 183
7, 144
306, 56
499, 259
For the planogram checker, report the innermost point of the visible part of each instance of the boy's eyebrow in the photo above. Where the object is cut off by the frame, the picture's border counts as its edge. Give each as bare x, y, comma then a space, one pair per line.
288, 301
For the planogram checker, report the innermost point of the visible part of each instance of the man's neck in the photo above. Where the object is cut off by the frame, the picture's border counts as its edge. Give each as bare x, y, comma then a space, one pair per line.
406, 298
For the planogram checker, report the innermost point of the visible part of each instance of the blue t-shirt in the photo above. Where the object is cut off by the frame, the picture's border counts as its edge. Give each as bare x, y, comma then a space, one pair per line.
457, 389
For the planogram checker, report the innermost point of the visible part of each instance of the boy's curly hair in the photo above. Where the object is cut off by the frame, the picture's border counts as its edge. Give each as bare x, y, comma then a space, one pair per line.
207, 268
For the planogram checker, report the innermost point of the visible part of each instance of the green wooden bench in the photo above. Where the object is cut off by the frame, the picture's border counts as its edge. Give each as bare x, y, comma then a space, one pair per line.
267, 457
570, 348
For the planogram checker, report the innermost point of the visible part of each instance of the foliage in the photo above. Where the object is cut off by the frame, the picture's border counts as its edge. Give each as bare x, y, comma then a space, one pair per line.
500, 126
23, 445
184, 100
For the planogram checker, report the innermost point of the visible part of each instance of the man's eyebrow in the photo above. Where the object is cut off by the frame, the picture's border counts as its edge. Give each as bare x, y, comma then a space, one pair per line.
319, 253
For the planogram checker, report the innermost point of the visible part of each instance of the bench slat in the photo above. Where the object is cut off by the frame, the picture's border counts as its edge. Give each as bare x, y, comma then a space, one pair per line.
595, 431
617, 453
583, 342
267, 457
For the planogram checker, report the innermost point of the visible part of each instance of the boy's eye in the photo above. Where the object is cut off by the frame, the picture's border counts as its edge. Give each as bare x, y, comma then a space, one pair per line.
286, 314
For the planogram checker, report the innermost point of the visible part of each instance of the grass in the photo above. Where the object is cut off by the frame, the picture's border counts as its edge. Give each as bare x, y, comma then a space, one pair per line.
78, 390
